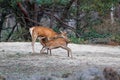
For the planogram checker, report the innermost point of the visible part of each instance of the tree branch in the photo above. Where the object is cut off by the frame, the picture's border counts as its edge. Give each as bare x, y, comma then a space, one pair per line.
35, 12
66, 10
23, 10
59, 20
11, 32
31, 20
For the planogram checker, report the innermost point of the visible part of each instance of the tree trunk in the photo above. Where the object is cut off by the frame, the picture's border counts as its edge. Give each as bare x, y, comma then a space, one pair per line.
65, 13
1, 23
77, 17
35, 13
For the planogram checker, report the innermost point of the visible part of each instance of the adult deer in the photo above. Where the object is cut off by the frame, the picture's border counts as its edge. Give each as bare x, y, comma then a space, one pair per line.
41, 31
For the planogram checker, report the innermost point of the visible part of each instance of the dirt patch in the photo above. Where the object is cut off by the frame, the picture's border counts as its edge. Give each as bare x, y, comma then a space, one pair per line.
18, 63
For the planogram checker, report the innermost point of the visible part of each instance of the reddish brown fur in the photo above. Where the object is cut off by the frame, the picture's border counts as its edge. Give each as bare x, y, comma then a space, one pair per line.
55, 43
40, 31
44, 31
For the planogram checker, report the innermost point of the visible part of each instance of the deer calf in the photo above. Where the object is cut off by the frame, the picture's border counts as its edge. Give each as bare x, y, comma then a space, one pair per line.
55, 43
40, 31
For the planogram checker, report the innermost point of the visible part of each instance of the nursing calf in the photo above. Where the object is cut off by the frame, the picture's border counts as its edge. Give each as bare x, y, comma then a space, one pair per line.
55, 43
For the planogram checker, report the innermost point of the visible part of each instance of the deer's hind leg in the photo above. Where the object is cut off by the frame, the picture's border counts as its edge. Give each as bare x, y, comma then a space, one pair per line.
68, 50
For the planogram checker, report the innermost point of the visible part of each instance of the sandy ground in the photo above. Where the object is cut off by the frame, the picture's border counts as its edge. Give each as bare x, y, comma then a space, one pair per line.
17, 60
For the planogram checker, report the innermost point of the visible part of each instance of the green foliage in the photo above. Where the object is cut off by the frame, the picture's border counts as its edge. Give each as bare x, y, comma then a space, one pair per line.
96, 22
5, 34
93, 34
102, 6
73, 11
116, 38
13, 4
1, 1
56, 29
18, 34
76, 40
49, 2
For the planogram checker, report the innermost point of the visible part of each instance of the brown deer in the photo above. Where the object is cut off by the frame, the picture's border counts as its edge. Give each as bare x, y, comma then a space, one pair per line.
55, 43
41, 31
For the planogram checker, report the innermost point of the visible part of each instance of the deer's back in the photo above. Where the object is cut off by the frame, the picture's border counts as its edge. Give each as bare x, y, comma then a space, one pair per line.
44, 31
56, 43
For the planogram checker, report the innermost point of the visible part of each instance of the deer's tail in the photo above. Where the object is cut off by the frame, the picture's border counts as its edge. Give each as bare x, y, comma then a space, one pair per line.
31, 30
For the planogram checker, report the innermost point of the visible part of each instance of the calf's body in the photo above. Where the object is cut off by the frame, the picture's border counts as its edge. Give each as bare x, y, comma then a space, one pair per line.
55, 43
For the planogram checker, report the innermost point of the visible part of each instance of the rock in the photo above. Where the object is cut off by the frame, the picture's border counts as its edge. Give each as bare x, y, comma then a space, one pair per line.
110, 74
99, 41
66, 75
38, 76
87, 74
2, 77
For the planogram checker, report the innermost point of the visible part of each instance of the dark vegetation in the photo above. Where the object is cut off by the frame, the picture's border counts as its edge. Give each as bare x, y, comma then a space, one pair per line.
91, 19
